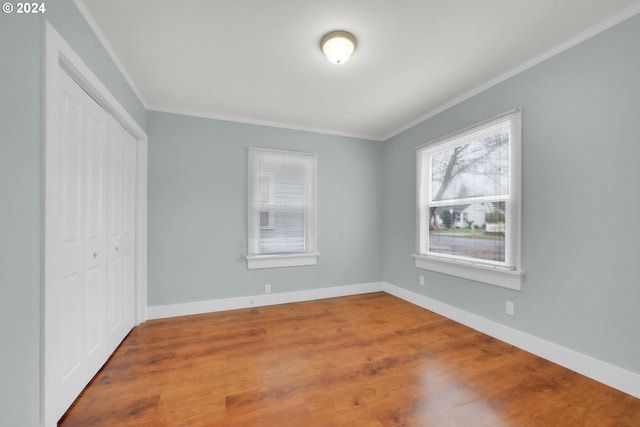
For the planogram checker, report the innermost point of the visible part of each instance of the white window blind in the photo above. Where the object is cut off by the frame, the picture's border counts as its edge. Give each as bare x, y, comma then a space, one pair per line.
282, 208
468, 196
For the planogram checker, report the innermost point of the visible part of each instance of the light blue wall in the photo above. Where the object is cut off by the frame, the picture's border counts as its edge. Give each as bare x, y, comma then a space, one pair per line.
198, 210
581, 220
20, 207
19, 220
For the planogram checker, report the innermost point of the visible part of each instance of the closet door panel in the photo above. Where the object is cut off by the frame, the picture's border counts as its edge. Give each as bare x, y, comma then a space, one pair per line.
115, 188
95, 230
78, 288
129, 230
122, 183
70, 290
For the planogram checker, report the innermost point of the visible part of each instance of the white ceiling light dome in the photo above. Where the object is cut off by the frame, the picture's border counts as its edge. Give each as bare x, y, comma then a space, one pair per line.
338, 46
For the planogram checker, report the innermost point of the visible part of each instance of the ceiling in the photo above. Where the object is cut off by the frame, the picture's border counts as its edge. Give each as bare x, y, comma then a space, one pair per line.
259, 61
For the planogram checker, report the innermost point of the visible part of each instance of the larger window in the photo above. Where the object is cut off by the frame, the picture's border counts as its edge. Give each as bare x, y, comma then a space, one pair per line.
282, 209
468, 203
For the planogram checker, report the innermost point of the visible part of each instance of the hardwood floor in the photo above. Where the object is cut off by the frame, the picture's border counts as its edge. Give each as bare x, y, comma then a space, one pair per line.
365, 360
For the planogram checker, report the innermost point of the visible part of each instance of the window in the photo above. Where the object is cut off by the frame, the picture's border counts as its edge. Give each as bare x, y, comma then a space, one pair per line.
282, 209
468, 203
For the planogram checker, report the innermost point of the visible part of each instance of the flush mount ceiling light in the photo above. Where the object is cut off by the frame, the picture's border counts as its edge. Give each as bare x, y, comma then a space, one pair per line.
338, 46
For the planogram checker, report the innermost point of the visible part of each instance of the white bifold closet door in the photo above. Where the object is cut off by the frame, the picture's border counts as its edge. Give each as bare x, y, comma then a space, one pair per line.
90, 257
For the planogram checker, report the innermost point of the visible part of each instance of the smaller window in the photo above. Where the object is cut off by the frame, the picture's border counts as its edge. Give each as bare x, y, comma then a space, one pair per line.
281, 209
468, 203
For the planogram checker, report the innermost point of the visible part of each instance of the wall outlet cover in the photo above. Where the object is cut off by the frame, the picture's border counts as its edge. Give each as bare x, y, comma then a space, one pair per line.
509, 308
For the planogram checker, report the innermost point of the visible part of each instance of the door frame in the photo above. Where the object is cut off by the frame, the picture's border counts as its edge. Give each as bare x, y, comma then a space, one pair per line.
59, 57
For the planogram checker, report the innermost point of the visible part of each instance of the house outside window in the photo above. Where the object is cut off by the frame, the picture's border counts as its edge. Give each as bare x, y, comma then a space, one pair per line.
468, 203
281, 209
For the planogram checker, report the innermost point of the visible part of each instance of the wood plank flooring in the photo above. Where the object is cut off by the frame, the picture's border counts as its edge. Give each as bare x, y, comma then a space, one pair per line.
369, 360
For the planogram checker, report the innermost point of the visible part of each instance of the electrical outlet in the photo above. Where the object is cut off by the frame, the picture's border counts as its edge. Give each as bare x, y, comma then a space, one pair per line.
421, 280
509, 308
267, 288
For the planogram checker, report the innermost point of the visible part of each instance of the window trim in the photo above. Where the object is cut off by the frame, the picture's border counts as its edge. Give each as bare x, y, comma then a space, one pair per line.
282, 260
497, 276
256, 260
486, 272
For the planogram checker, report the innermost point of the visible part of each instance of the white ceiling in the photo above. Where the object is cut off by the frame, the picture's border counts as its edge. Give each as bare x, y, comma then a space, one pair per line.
259, 61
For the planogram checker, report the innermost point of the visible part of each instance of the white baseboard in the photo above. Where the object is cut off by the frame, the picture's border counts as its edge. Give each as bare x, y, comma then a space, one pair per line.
611, 375
210, 306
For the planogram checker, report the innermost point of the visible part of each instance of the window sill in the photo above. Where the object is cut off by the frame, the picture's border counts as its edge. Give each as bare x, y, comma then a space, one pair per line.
281, 260
510, 279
